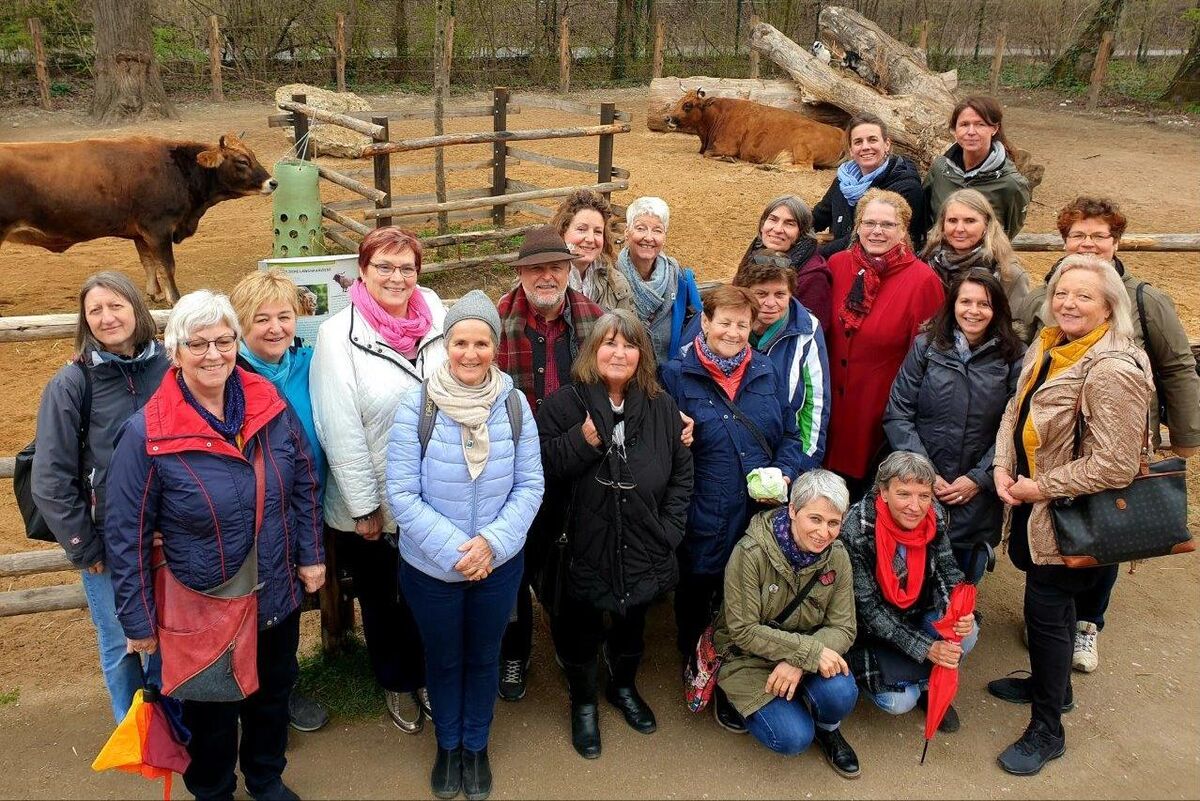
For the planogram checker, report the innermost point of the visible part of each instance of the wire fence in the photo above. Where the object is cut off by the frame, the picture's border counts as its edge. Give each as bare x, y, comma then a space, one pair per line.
389, 43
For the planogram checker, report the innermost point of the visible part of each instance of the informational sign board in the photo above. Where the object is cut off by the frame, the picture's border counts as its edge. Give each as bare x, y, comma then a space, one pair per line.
324, 283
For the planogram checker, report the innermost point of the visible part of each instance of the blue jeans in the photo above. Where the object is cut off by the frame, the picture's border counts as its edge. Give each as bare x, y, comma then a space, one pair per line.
972, 562
124, 673
900, 701
461, 624
786, 727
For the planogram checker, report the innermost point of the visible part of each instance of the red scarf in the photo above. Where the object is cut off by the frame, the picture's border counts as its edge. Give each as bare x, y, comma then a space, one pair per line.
871, 272
728, 383
889, 534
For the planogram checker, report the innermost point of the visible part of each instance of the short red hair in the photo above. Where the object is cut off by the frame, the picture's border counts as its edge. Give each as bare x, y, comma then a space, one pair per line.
389, 239
1092, 208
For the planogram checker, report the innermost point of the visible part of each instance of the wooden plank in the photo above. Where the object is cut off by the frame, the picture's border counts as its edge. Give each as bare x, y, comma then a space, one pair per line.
34, 327
471, 237
456, 205
473, 261
514, 185
1158, 243
422, 218
426, 169
341, 219
28, 563
484, 137
42, 599
562, 104
1099, 69
334, 118
562, 163
284, 120
39, 63
453, 194
214, 58
350, 205
340, 239
340, 51
346, 182
534, 209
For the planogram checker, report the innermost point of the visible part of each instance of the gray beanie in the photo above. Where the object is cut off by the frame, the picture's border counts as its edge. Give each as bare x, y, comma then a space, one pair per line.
475, 305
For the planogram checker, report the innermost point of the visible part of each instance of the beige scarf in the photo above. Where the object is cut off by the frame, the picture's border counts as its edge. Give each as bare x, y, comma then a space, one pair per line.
470, 408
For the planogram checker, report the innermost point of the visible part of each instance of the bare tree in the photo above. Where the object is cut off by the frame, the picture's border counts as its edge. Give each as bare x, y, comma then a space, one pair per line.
400, 29
1185, 86
1075, 65
128, 85
620, 39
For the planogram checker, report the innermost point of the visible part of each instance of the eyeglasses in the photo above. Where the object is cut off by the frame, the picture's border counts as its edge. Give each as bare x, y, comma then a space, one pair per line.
199, 347
386, 270
1077, 237
867, 225
619, 450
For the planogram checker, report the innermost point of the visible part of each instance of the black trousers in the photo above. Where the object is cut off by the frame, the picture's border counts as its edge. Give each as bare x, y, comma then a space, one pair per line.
579, 629
1050, 596
215, 748
697, 599
393, 639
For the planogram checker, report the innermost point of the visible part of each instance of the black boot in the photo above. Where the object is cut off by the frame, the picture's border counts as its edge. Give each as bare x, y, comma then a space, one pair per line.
476, 775
622, 693
585, 718
446, 778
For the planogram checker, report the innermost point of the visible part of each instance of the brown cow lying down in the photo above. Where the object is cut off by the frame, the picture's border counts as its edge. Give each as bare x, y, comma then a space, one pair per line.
153, 191
741, 129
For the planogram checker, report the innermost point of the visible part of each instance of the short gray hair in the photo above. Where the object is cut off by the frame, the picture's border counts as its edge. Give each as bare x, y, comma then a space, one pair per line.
820, 484
649, 206
1115, 295
196, 310
905, 466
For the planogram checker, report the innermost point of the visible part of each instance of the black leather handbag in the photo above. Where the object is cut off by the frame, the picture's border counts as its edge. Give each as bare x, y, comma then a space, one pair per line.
1148, 518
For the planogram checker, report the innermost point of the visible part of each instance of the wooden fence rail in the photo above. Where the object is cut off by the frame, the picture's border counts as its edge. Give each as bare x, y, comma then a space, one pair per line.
486, 137
1160, 243
474, 203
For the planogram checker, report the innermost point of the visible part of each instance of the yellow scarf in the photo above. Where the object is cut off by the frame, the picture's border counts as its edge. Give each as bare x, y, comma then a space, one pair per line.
1063, 354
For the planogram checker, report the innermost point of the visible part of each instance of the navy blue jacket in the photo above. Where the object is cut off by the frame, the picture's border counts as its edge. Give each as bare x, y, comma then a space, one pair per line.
724, 451
170, 472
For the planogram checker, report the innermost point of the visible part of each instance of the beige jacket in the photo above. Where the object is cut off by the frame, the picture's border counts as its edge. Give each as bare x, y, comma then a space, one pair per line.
1114, 379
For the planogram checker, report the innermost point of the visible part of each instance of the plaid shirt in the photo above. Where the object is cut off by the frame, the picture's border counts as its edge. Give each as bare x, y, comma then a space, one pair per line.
516, 356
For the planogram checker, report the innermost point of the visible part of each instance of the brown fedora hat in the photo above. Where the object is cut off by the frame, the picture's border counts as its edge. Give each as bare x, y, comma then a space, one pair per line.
542, 246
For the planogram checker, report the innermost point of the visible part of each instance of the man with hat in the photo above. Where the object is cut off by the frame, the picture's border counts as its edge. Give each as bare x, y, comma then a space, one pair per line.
543, 324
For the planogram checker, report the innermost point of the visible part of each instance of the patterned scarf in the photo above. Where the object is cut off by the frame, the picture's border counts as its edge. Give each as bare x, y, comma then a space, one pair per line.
402, 333
654, 297
781, 526
871, 270
900, 576
235, 406
726, 366
853, 183
949, 265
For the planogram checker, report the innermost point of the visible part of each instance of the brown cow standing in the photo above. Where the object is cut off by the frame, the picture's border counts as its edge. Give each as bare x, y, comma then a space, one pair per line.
741, 129
153, 191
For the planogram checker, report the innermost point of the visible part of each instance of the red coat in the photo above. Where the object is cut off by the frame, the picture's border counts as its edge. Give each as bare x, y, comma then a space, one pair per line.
862, 366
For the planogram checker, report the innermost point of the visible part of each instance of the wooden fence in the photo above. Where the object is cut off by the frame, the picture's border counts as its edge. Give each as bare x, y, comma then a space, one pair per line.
377, 206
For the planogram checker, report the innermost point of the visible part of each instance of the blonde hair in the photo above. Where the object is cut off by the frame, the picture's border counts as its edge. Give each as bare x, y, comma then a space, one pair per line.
261, 287
896, 201
586, 369
1121, 321
995, 242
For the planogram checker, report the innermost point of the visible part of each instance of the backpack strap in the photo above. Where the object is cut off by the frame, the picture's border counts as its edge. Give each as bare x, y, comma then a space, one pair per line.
512, 405
515, 414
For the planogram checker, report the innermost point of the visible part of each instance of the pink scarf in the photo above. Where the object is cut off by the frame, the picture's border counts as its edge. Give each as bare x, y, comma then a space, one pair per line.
402, 333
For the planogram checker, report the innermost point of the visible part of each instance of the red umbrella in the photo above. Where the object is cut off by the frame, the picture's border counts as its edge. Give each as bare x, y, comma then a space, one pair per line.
943, 682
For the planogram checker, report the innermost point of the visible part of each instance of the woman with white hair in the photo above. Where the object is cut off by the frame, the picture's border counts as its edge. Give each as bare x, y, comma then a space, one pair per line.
788, 619
665, 295
1085, 364
219, 465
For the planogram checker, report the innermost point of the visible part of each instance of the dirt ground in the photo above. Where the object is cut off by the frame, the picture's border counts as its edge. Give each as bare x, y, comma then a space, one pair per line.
1134, 734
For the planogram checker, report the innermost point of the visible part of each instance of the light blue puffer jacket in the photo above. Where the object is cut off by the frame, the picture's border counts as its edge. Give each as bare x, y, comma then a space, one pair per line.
436, 505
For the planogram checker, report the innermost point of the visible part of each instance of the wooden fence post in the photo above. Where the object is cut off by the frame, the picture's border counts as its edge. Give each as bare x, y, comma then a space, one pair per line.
753, 51
608, 114
923, 36
564, 55
660, 35
300, 129
1100, 69
214, 58
443, 54
340, 50
383, 172
500, 150
39, 63
337, 611
997, 57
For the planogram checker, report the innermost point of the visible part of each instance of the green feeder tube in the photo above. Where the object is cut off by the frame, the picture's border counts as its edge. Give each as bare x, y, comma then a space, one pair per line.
297, 209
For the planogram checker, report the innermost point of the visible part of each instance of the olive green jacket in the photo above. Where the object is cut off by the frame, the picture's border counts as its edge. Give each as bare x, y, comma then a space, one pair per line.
759, 584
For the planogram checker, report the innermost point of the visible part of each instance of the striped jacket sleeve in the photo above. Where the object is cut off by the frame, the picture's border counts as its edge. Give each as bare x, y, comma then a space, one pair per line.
808, 390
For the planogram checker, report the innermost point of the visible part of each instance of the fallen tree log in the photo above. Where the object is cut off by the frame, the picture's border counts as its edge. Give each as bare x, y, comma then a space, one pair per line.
664, 92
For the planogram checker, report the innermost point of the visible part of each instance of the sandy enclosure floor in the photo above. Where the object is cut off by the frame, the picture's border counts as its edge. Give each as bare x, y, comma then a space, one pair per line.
1135, 733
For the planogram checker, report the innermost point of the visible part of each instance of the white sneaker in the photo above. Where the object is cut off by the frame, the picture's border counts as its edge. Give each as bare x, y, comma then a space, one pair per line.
1086, 657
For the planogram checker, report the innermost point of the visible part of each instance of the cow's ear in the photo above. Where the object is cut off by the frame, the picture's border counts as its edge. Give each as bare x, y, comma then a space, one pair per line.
230, 140
699, 92
210, 158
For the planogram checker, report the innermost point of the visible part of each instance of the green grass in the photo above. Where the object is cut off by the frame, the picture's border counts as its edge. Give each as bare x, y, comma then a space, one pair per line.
343, 683
8, 697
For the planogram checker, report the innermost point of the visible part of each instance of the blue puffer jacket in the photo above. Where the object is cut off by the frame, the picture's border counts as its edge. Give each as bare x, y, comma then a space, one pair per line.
170, 472
724, 451
438, 507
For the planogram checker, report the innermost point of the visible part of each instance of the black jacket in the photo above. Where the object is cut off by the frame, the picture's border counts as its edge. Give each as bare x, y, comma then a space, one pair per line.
950, 411
836, 214
623, 541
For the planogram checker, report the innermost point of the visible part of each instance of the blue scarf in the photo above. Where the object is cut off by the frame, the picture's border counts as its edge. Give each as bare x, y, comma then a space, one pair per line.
781, 526
726, 366
654, 299
235, 406
275, 373
853, 183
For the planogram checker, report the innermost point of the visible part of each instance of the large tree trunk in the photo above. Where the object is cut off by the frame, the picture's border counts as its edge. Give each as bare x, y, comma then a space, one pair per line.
620, 39
400, 31
1075, 64
1185, 86
778, 93
886, 63
127, 82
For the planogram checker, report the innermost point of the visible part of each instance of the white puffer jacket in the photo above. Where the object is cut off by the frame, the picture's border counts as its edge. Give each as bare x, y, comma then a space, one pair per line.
355, 381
